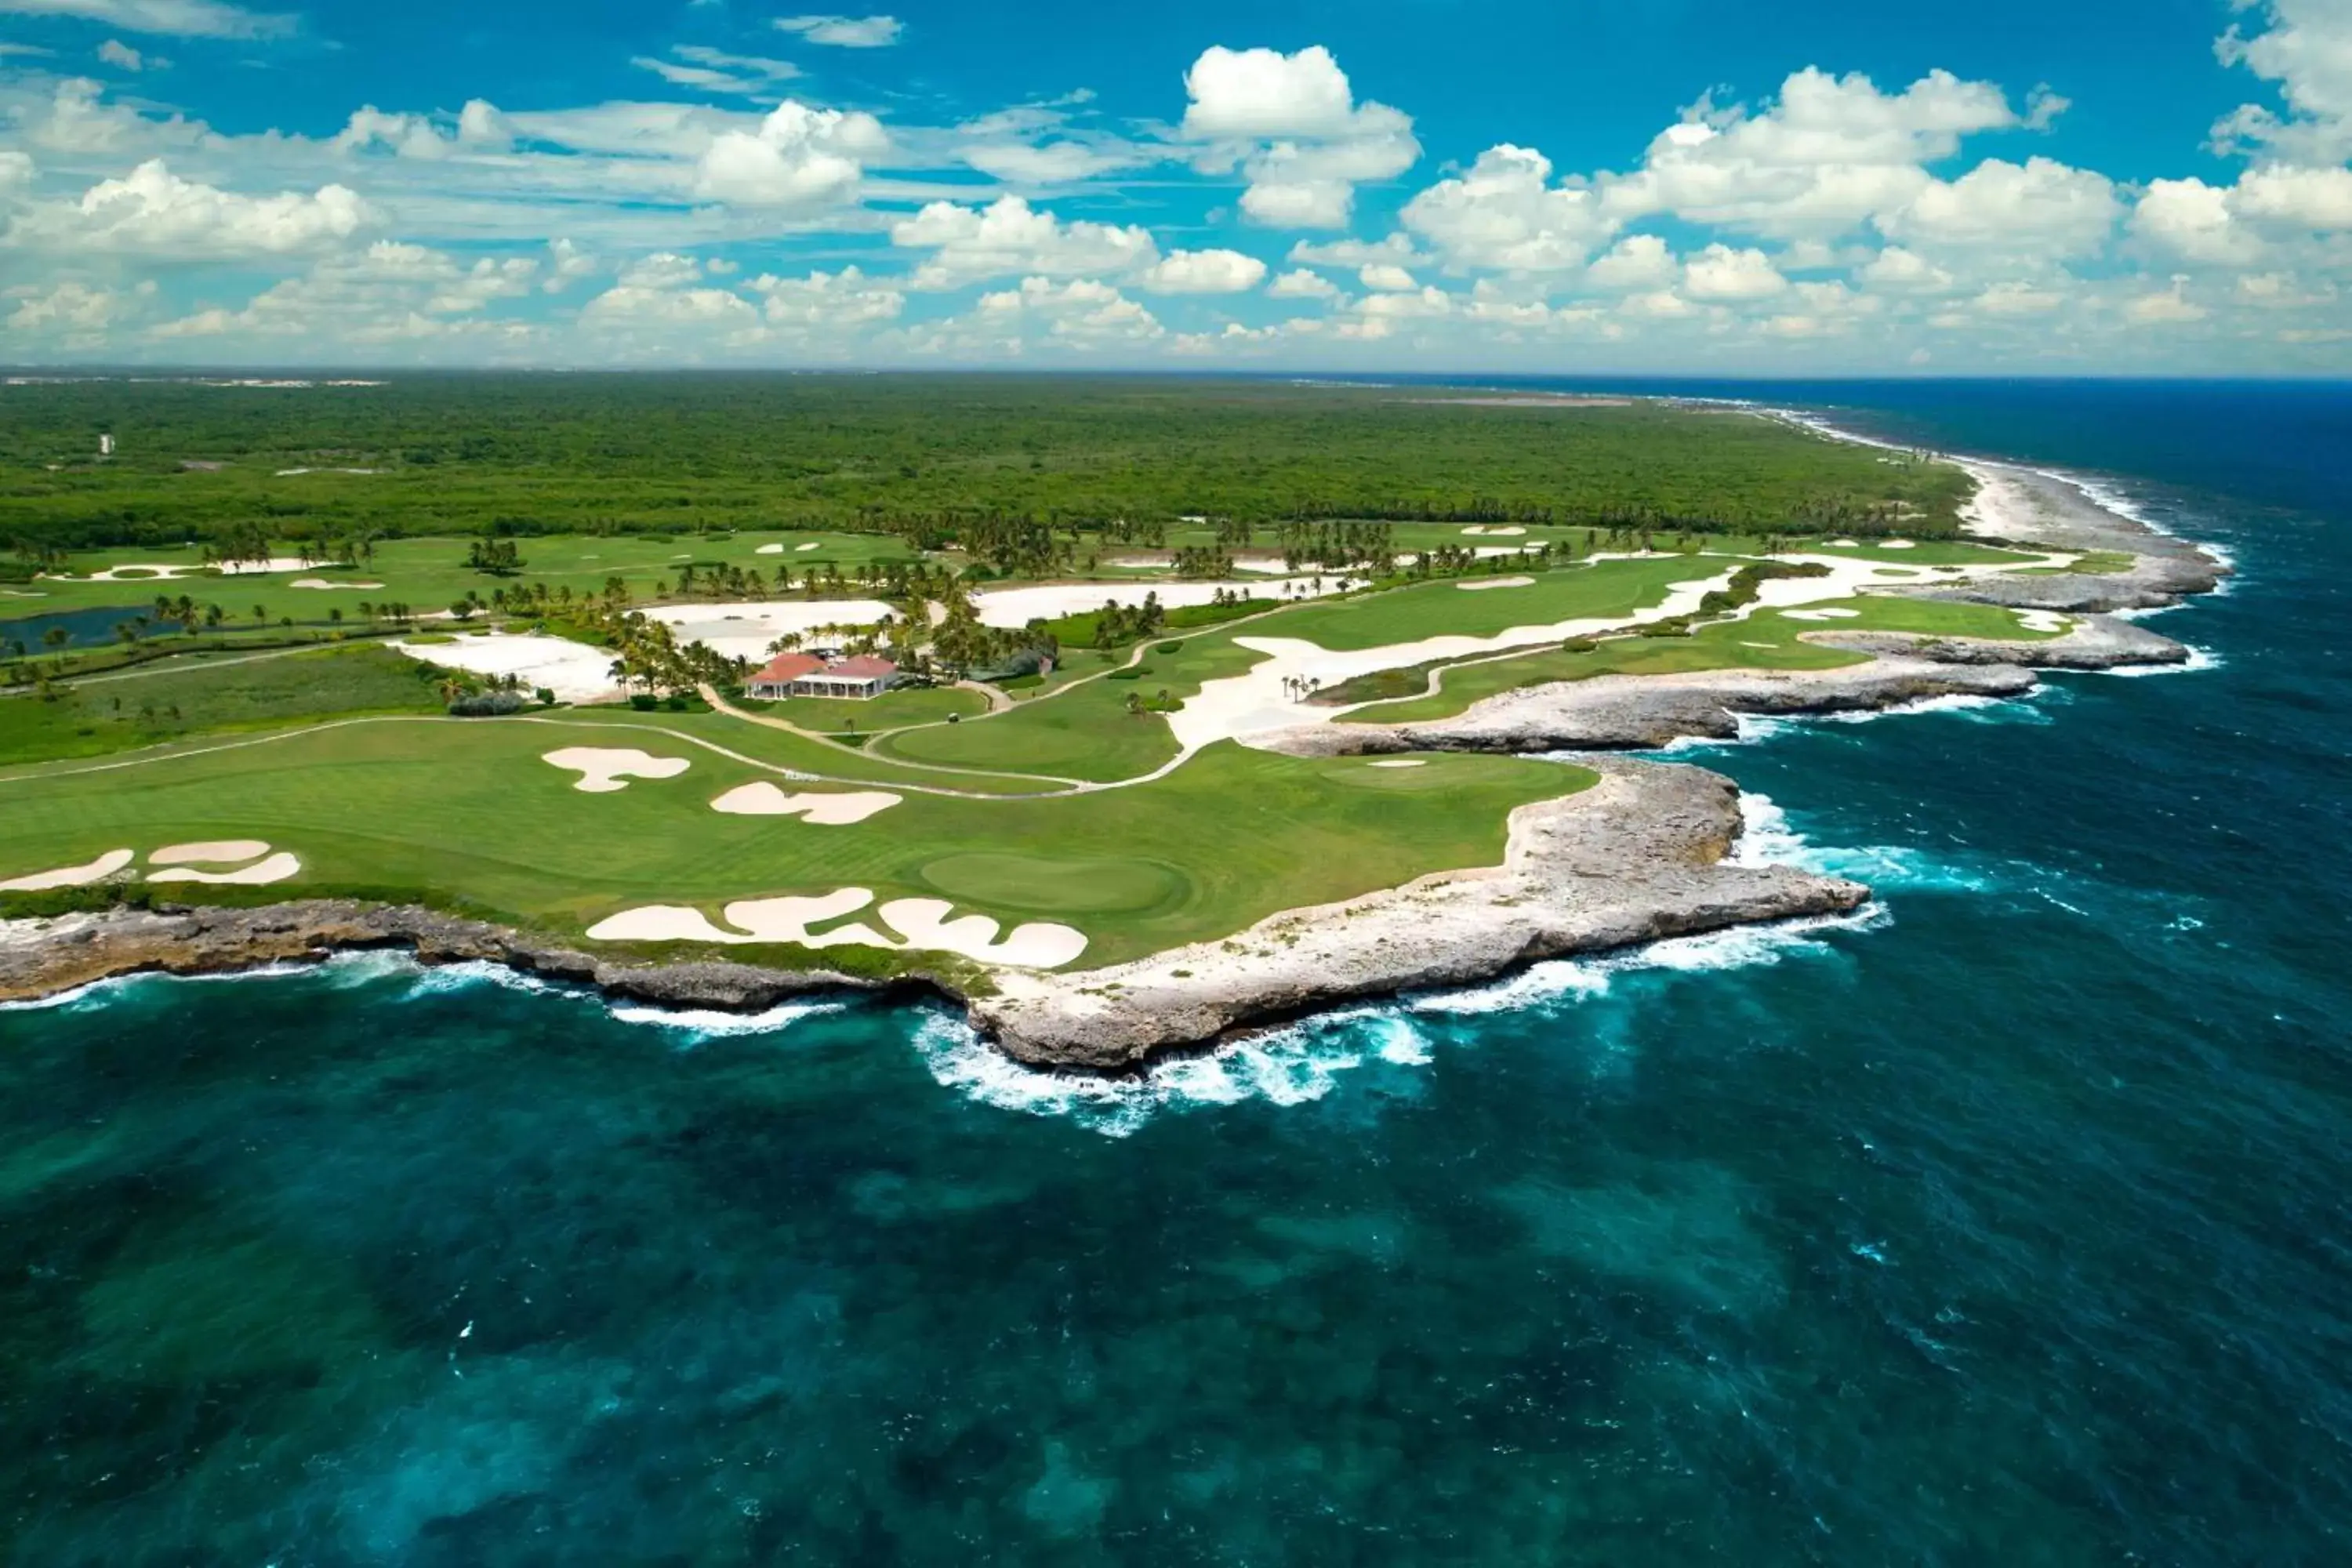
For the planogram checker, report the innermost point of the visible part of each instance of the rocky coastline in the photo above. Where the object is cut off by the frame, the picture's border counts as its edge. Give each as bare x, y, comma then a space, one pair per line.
1646, 853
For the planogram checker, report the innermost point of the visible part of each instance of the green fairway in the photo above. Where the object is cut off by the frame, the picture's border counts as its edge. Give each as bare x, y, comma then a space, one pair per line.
1087, 731
467, 814
175, 700
429, 574
1766, 640
892, 709
1449, 608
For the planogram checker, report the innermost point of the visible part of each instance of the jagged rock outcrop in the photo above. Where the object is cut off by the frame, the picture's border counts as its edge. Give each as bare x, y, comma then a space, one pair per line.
1639, 856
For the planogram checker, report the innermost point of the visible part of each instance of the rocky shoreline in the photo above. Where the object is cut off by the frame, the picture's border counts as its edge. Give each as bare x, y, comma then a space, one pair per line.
1643, 855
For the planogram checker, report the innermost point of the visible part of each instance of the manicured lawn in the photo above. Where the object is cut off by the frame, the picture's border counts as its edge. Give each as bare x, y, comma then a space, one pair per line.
829, 716
174, 700
1727, 645
453, 812
1087, 733
429, 574
1446, 609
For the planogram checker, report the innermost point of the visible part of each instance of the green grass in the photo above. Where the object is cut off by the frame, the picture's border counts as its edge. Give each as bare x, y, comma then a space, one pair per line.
891, 711
429, 574
1726, 644
467, 814
1445, 608
1085, 732
146, 708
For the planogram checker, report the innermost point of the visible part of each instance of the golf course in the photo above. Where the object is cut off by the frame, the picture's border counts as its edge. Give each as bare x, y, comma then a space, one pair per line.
542, 719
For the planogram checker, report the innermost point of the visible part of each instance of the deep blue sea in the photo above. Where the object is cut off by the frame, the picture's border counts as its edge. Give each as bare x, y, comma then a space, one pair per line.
2005, 1225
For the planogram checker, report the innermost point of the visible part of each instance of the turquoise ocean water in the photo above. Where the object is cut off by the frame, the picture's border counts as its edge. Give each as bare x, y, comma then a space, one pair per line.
2006, 1224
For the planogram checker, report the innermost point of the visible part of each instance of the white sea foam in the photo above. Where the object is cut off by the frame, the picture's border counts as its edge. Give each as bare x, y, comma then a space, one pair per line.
1767, 838
699, 1024
2199, 658
1293, 1066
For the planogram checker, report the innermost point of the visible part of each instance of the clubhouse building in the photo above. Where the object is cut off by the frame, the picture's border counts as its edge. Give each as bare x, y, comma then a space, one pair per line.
805, 675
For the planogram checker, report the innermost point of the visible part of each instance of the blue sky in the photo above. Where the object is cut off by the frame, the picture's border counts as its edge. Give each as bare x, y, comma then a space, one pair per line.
1675, 186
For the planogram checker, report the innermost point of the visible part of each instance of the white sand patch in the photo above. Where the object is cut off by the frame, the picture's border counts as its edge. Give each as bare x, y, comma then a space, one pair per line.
1038, 945
604, 769
289, 473
924, 922
745, 630
1258, 703
1759, 645
1493, 531
1821, 615
1895, 544
812, 544
833, 810
210, 852
322, 582
1146, 562
1018, 607
276, 869
1473, 587
105, 865
1846, 543
574, 671
1403, 763
2043, 621
769, 549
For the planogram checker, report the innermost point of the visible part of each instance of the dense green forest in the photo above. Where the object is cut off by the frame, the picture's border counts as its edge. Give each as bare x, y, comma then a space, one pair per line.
929, 458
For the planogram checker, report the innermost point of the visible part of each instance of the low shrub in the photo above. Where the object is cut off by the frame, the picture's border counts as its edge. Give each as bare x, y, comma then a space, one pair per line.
487, 704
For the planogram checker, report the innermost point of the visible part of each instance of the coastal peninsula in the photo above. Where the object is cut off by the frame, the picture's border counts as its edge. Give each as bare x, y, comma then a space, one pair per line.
1123, 760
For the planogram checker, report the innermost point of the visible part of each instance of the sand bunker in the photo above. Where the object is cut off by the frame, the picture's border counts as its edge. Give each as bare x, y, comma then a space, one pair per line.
836, 810
812, 544
924, 922
1896, 544
603, 769
1493, 531
322, 582
745, 630
1402, 762
1822, 614
1012, 608
574, 671
105, 865
209, 852
2043, 621
1497, 583
276, 869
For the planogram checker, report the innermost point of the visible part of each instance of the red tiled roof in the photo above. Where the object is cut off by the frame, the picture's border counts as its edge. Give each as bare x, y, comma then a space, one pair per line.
865, 667
789, 667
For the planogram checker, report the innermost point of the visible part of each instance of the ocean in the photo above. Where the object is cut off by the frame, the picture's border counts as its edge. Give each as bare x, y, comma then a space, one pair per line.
2006, 1221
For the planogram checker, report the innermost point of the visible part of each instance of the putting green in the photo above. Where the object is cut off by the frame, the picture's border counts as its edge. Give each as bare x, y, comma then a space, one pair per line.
1039, 884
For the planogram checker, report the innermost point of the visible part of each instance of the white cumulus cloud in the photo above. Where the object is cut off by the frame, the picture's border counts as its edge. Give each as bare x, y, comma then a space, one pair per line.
1009, 238
1291, 123
800, 158
1203, 273
154, 212
845, 32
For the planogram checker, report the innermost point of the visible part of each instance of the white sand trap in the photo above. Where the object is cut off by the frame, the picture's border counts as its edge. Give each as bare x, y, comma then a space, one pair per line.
1039, 945
2043, 621
1012, 608
1759, 645
1845, 545
105, 865
769, 549
1403, 763
574, 671
603, 769
923, 921
812, 544
277, 868
322, 582
289, 473
836, 810
1821, 615
1497, 583
1896, 544
745, 630
210, 852
1493, 531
